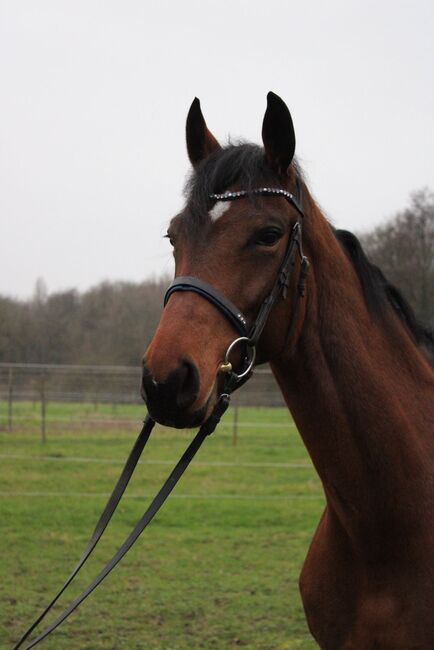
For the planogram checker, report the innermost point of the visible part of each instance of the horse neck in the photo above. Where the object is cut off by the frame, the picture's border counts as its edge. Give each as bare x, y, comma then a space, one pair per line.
359, 391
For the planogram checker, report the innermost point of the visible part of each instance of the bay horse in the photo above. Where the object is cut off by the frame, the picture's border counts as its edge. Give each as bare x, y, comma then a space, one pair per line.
356, 374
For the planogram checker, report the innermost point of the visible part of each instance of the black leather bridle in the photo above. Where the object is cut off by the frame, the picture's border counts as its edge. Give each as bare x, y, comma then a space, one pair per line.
249, 335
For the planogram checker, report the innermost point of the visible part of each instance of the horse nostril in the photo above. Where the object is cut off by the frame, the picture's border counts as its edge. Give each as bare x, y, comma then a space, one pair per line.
179, 390
147, 383
188, 385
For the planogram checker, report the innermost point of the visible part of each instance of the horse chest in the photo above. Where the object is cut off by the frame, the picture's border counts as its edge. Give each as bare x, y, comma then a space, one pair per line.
346, 610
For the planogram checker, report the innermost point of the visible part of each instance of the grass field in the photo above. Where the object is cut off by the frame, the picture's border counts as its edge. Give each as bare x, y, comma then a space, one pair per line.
216, 569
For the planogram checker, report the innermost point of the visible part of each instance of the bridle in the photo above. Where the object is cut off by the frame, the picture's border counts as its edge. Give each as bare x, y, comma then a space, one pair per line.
250, 334
249, 337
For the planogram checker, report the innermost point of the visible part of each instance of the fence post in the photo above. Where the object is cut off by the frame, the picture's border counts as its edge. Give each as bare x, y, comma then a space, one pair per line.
235, 425
10, 398
43, 408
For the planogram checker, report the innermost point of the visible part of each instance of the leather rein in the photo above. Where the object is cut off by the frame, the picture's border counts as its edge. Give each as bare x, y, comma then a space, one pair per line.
249, 337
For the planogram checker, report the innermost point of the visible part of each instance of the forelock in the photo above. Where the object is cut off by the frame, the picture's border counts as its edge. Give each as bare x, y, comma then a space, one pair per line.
243, 165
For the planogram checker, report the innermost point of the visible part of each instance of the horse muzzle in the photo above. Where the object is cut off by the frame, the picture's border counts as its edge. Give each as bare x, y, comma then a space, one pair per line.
171, 401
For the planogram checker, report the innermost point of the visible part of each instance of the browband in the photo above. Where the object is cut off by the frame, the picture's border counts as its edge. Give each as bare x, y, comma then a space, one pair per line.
264, 191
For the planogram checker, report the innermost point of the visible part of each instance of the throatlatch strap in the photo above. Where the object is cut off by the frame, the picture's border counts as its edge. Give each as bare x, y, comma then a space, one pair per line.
206, 429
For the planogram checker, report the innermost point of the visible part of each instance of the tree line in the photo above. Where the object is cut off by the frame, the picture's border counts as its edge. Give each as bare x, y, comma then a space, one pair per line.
113, 322
404, 250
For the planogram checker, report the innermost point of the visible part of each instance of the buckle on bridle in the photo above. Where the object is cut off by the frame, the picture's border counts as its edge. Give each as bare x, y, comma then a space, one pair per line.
284, 282
303, 275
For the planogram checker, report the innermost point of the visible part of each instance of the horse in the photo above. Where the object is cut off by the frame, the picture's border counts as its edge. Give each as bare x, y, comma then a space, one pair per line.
356, 374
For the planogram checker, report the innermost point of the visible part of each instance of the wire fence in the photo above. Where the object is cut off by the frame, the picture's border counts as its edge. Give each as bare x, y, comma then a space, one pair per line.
42, 397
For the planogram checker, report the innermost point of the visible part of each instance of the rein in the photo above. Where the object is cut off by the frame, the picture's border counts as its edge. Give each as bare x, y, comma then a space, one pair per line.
249, 337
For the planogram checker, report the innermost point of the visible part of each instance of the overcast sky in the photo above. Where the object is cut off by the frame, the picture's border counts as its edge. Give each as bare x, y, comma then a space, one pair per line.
94, 96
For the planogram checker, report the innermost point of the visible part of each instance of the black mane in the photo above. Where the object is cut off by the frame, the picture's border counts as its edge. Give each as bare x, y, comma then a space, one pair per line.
379, 293
245, 165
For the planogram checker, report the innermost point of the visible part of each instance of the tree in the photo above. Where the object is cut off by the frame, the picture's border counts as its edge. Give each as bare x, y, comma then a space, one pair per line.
404, 250
111, 323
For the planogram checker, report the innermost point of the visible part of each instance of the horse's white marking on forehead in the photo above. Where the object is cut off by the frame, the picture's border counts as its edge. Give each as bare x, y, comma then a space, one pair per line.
219, 209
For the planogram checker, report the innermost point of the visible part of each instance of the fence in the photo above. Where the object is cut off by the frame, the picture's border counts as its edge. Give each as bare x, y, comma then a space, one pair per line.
29, 391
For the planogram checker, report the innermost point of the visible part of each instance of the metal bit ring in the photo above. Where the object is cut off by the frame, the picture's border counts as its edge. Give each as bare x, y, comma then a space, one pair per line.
251, 356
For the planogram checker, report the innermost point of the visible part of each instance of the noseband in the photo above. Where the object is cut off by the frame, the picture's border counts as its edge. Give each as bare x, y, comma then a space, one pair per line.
250, 334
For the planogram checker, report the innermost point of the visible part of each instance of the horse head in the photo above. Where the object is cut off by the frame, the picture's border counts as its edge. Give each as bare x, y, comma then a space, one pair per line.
235, 247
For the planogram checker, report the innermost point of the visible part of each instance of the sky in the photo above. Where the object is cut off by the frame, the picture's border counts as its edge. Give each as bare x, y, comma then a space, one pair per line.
94, 97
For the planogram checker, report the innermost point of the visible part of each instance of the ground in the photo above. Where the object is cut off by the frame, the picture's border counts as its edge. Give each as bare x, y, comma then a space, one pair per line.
218, 567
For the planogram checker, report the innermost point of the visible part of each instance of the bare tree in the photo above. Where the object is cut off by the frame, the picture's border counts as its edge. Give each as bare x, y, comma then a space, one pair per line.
111, 323
404, 249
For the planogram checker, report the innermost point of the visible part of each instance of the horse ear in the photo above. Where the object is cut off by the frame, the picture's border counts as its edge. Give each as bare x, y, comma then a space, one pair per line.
278, 134
200, 141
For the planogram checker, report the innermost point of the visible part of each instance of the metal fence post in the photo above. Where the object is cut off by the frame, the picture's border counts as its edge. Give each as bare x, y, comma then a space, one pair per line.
43, 408
10, 397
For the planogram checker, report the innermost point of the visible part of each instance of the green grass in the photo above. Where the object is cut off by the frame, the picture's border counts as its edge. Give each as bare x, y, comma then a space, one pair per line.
217, 568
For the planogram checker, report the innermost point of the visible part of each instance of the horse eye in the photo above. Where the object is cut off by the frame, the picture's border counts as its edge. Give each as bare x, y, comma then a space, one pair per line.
268, 237
170, 238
